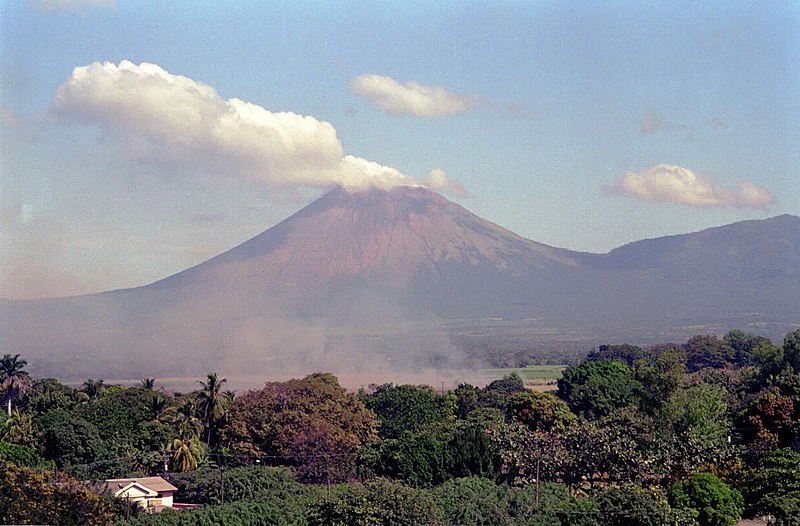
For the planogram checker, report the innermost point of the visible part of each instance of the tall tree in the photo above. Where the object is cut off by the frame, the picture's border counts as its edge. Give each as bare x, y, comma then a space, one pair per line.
302, 421
93, 388
13, 378
211, 402
186, 449
18, 429
405, 407
791, 350
594, 389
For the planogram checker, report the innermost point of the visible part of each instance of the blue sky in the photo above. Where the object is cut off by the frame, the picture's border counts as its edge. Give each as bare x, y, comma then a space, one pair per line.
583, 125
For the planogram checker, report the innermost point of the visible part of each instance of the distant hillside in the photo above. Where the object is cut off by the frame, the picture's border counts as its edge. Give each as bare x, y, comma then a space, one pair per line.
406, 279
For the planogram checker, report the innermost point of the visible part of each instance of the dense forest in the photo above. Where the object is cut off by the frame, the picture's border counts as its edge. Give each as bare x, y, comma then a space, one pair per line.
701, 433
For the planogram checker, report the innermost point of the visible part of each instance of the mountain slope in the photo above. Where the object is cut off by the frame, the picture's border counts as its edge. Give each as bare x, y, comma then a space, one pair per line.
374, 233
405, 279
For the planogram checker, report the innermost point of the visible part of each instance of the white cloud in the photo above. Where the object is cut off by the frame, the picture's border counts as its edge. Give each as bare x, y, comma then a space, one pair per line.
668, 183
438, 180
186, 122
411, 98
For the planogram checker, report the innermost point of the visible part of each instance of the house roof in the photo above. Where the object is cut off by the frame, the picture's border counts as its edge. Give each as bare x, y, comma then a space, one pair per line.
134, 489
156, 484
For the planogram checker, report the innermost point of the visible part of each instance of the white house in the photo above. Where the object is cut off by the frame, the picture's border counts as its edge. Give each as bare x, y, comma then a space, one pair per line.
152, 493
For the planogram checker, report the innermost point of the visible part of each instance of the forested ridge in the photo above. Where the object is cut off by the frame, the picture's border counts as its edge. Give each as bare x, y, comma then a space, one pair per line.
703, 432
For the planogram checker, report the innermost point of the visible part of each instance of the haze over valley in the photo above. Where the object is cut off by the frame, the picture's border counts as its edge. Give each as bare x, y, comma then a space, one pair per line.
404, 280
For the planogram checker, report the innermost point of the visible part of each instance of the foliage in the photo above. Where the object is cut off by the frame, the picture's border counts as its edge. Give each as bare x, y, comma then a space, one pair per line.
540, 411
14, 379
659, 377
30, 496
596, 388
20, 455
614, 449
523, 453
643, 421
715, 502
747, 347
696, 427
499, 392
791, 350
472, 453
356, 510
627, 354
211, 404
380, 502
769, 420
186, 448
700, 410
706, 351
273, 512
473, 500
322, 453
94, 388
418, 459
633, 505
204, 485
775, 479
47, 394
272, 424
18, 428
785, 510
466, 397
118, 414
69, 440
481, 502
404, 407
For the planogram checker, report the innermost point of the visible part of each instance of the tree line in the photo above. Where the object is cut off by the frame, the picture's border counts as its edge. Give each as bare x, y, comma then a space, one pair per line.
697, 433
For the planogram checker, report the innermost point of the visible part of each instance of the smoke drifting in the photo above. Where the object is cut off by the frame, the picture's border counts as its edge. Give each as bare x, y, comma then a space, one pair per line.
668, 183
186, 122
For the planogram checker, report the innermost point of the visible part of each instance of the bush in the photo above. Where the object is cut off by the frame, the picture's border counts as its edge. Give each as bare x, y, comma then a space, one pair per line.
596, 389
247, 513
20, 455
472, 500
29, 496
633, 505
377, 503
715, 502
204, 486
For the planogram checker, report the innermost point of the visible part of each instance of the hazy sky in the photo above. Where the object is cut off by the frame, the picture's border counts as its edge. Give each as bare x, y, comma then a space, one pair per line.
140, 138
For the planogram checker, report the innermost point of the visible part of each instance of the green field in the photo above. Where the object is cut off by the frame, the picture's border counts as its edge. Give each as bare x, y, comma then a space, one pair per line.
535, 376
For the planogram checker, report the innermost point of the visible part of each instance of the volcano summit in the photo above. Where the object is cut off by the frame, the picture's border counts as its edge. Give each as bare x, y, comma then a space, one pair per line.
404, 279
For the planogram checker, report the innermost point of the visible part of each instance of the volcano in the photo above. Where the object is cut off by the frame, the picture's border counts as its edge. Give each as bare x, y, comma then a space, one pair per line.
406, 279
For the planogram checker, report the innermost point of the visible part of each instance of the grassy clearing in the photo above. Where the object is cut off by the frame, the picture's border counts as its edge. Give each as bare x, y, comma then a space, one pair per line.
533, 375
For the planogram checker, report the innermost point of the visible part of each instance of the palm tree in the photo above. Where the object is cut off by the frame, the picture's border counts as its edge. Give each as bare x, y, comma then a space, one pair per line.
148, 383
157, 405
182, 415
13, 378
93, 388
186, 449
229, 397
211, 402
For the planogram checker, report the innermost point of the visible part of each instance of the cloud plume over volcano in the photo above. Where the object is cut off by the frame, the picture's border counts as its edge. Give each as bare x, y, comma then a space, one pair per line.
183, 121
